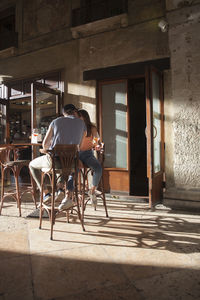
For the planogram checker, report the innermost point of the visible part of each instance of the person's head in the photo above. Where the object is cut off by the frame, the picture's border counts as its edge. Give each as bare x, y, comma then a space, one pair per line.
83, 114
69, 109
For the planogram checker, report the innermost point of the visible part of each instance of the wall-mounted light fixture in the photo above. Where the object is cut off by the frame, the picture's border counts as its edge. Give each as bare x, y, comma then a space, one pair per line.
163, 25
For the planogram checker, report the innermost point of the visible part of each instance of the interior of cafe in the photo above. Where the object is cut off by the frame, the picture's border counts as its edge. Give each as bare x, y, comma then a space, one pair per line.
27, 107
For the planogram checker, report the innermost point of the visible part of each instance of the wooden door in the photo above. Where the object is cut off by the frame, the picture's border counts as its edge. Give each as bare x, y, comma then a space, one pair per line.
113, 127
155, 134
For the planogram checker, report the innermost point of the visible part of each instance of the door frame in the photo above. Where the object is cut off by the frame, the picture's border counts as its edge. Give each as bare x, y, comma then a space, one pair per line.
156, 179
153, 178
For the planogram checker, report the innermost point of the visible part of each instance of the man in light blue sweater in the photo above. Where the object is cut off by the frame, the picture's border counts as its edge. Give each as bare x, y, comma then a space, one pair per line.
68, 129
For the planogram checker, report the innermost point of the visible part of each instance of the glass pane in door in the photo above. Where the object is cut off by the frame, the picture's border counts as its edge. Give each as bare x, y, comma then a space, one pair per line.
156, 121
20, 120
46, 110
114, 120
2, 124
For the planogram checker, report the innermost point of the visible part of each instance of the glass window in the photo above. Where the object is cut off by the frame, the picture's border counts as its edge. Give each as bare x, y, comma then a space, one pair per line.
94, 10
8, 34
46, 104
2, 123
114, 120
16, 89
20, 120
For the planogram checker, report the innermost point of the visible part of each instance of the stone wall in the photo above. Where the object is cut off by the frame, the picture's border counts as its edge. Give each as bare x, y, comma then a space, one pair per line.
184, 43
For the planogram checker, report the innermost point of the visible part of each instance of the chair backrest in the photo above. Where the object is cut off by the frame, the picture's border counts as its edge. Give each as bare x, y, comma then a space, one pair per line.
5, 154
67, 156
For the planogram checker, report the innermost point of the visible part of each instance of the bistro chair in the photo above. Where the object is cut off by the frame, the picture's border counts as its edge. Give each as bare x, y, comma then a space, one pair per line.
64, 160
15, 165
84, 185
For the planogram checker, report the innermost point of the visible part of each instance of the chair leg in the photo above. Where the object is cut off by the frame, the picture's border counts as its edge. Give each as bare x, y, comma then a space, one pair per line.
33, 190
53, 206
79, 180
41, 200
83, 196
81, 218
67, 215
103, 196
2, 188
16, 176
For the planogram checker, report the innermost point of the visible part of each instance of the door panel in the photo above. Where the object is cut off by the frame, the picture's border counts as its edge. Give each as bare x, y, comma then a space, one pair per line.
114, 133
155, 134
46, 103
45, 106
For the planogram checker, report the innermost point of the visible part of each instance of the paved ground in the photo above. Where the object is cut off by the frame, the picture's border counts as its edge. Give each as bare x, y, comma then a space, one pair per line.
134, 254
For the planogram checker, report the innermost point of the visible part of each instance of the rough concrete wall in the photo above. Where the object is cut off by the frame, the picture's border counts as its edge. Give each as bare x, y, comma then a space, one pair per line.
169, 134
184, 41
135, 43
44, 16
125, 45
145, 10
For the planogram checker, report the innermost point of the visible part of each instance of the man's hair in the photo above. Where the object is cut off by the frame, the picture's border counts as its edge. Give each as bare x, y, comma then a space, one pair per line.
69, 109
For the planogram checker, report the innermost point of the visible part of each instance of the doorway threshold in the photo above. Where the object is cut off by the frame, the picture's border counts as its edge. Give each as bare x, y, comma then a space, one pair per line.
125, 196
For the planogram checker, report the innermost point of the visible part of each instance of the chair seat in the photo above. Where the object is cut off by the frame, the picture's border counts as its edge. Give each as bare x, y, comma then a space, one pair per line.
17, 163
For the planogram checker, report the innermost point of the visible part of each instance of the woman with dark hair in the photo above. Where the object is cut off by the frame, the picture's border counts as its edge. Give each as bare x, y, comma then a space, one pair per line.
86, 154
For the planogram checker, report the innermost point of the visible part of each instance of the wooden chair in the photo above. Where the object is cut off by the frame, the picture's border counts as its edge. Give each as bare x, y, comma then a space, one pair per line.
15, 166
64, 162
83, 182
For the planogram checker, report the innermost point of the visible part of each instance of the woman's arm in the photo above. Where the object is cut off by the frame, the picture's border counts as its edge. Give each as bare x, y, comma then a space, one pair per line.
95, 132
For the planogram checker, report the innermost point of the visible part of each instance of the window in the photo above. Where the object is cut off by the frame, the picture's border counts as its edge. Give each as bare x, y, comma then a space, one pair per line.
8, 34
93, 10
23, 87
114, 120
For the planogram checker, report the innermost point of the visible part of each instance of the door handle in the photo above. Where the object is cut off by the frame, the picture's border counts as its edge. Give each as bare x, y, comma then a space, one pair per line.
156, 132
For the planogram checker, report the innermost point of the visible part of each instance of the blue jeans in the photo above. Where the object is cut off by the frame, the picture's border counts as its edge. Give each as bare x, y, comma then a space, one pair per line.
88, 159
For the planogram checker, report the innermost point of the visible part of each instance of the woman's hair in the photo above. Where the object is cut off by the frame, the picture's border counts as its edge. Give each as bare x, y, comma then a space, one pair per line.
86, 118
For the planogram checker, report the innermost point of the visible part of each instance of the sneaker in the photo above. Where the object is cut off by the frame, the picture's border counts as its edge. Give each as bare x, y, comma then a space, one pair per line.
93, 199
65, 204
47, 198
60, 196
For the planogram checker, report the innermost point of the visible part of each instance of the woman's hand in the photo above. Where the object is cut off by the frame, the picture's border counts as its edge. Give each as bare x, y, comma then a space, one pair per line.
97, 147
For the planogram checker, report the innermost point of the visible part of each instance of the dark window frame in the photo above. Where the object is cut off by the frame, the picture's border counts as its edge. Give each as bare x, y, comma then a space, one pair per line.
91, 11
8, 33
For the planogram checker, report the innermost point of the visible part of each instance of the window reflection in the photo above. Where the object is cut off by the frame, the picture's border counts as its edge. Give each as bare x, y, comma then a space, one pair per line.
115, 124
2, 123
20, 120
45, 110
